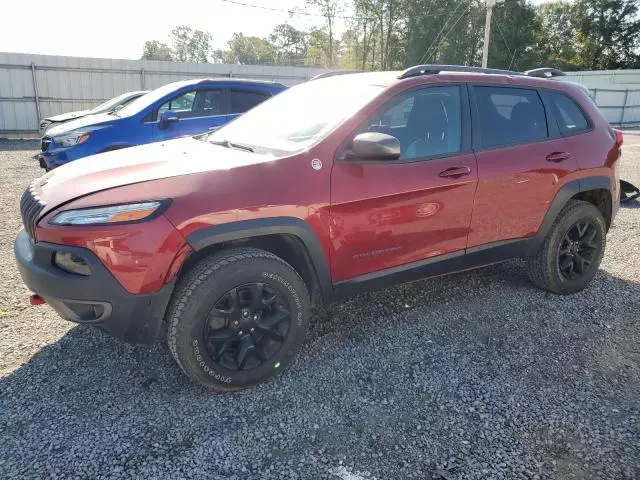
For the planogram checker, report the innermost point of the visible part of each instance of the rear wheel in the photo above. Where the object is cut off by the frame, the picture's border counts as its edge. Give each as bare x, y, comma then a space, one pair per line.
571, 254
237, 319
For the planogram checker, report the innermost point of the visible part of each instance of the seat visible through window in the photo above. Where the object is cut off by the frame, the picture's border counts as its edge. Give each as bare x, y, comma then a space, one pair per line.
509, 116
427, 122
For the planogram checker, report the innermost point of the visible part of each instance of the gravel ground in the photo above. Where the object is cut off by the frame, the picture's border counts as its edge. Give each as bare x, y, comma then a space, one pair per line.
472, 376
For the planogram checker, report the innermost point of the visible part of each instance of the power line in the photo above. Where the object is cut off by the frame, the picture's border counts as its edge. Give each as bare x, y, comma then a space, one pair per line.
448, 32
293, 12
424, 56
513, 56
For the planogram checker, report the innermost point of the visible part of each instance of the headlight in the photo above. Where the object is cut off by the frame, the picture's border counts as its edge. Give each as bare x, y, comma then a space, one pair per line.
71, 139
131, 212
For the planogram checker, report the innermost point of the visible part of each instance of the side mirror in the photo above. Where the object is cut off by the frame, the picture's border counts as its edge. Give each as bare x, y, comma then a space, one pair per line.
167, 118
375, 146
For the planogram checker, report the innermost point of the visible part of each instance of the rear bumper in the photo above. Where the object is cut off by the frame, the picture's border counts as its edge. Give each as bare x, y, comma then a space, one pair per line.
97, 299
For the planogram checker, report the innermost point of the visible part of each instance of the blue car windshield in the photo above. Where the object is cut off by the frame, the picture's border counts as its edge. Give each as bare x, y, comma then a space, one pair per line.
110, 104
150, 98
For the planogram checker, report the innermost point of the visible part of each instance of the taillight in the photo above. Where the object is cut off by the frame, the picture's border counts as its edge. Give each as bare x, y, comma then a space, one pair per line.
619, 137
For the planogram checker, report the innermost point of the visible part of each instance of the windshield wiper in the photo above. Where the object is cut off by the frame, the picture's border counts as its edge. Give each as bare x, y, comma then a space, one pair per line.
229, 144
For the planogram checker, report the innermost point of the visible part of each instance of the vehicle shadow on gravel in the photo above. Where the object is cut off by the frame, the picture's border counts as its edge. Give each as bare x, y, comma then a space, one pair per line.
473, 374
7, 145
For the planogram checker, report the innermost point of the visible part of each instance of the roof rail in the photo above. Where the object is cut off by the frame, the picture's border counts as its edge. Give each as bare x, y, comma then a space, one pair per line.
544, 73
332, 73
433, 69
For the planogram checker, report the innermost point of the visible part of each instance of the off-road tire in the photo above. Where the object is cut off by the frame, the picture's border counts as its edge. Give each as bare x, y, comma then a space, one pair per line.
197, 293
543, 267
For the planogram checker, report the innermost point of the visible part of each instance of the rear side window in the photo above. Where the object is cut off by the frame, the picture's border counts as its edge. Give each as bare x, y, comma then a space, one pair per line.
568, 115
509, 116
243, 100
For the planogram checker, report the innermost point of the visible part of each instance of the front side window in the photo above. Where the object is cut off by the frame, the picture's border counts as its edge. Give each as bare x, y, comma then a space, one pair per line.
182, 105
427, 122
243, 100
197, 103
568, 115
509, 116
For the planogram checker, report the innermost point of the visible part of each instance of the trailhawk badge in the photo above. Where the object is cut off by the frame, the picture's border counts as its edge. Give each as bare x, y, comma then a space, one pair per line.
316, 164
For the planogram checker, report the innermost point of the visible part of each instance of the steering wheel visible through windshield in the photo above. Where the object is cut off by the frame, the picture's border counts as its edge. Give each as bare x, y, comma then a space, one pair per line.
298, 117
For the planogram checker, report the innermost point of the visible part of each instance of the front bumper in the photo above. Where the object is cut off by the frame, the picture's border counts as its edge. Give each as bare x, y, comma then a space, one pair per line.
97, 299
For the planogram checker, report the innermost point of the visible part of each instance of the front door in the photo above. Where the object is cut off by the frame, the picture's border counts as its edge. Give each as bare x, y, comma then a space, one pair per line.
198, 111
390, 213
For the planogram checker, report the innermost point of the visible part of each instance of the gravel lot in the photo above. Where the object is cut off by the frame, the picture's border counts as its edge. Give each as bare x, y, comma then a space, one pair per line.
475, 375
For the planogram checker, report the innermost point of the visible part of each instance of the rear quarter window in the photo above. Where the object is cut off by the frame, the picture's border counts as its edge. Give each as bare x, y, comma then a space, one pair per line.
568, 115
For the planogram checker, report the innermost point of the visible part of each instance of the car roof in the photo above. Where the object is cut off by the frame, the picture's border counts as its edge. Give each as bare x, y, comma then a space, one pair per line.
236, 80
424, 74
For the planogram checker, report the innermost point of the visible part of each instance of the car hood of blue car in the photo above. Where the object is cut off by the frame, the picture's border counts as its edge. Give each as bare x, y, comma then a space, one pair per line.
88, 123
63, 117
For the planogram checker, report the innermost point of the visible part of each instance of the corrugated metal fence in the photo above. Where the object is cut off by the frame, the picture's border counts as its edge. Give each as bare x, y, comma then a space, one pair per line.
616, 92
37, 86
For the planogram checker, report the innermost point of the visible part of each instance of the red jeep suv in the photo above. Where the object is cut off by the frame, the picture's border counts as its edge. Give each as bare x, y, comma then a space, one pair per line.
226, 243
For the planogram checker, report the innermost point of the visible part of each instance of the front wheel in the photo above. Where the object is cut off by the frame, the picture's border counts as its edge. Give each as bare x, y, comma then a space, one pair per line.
237, 319
571, 254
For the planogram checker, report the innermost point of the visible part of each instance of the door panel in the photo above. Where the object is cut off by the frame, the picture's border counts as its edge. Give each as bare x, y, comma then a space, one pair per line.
515, 188
384, 215
390, 213
206, 111
516, 182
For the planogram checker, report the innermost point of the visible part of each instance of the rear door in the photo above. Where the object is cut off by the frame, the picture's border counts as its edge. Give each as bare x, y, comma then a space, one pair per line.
522, 162
390, 213
198, 110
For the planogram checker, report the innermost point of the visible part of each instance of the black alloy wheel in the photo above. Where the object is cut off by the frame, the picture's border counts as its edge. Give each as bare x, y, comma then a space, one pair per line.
247, 326
578, 249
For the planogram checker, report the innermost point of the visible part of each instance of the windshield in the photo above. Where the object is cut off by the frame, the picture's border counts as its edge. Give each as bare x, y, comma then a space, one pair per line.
300, 116
110, 104
150, 98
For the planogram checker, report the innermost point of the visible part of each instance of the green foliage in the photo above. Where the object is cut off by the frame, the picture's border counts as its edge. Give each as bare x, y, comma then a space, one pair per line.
393, 34
249, 51
190, 45
155, 50
290, 45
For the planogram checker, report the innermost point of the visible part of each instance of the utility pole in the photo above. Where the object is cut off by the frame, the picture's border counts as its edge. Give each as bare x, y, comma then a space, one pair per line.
487, 30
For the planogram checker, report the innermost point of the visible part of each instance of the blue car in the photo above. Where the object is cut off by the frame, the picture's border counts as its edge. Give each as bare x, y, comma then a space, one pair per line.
175, 110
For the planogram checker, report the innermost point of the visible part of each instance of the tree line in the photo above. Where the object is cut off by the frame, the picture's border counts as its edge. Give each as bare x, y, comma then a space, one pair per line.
394, 34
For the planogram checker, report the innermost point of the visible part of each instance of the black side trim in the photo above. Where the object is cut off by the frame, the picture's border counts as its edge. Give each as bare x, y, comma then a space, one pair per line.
441, 265
270, 226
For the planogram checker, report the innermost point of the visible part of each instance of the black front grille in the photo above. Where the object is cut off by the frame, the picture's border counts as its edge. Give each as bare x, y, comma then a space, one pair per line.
45, 143
30, 208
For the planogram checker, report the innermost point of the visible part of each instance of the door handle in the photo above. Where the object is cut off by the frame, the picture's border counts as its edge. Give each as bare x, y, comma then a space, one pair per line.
558, 156
455, 172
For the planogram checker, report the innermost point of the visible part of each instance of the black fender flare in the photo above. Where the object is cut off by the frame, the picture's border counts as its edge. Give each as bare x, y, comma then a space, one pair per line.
566, 192
244, 229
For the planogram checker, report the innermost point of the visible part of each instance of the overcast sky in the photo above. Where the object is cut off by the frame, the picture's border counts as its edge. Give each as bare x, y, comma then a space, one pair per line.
119, 28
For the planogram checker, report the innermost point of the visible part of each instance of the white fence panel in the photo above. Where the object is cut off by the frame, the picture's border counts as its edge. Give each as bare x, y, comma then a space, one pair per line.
65, 84
68, 83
